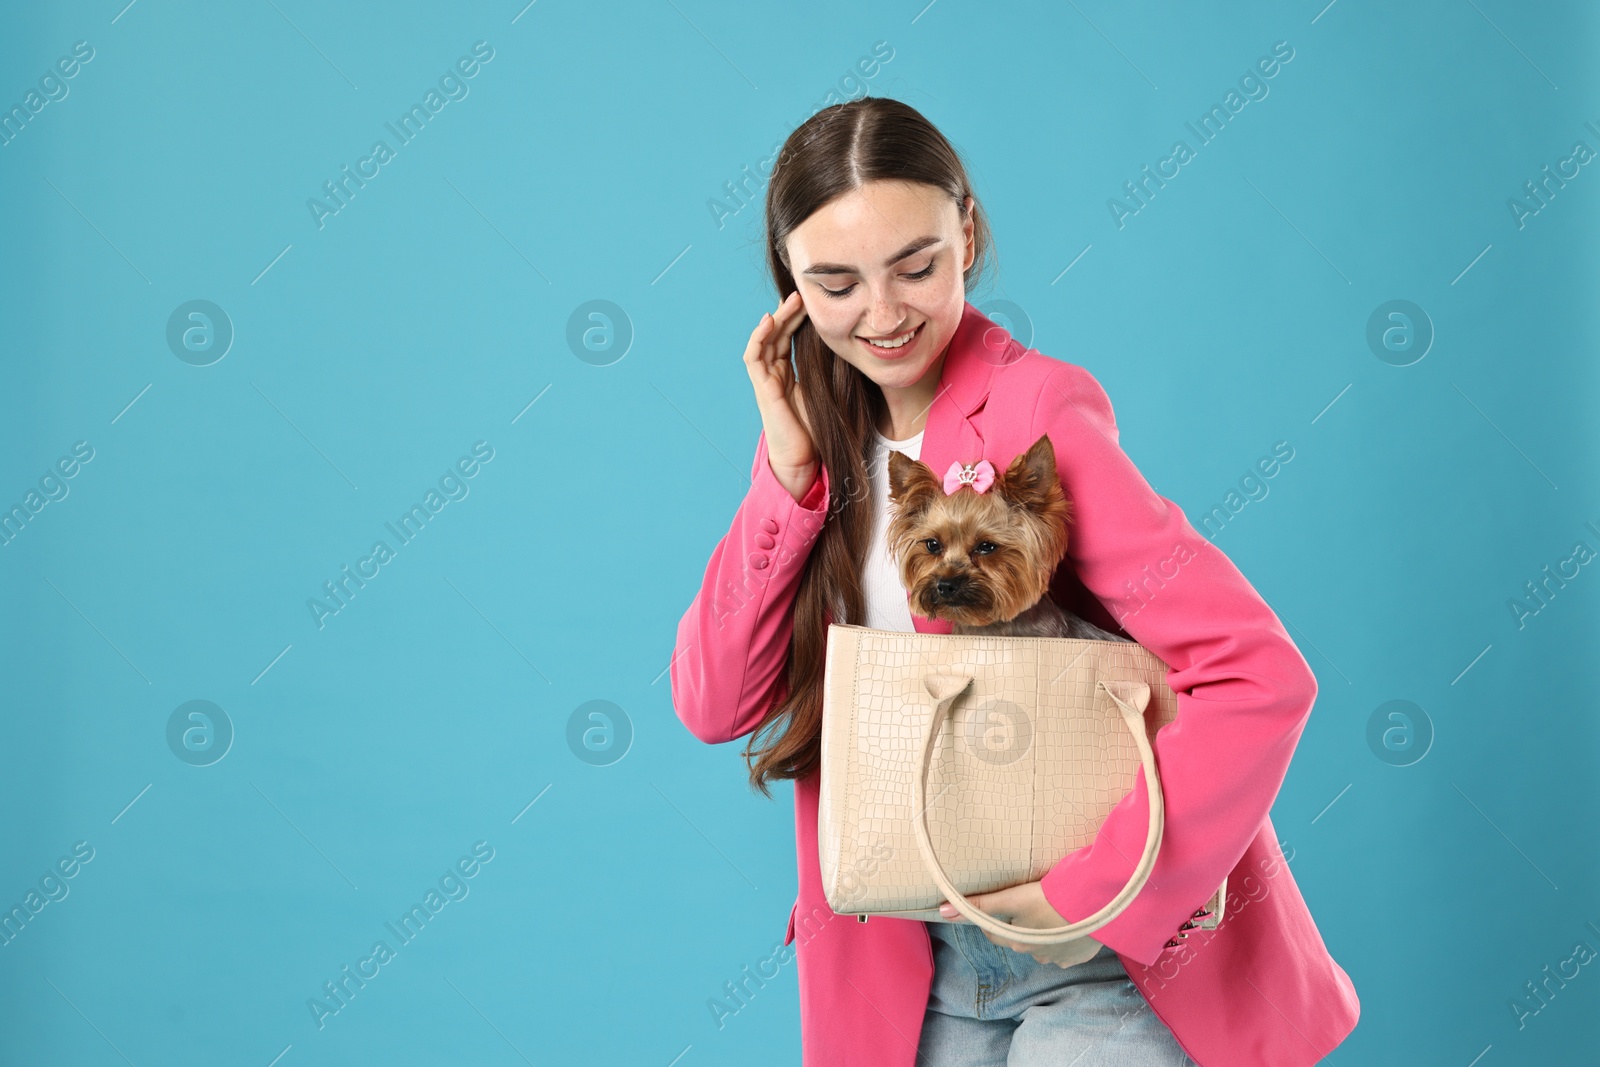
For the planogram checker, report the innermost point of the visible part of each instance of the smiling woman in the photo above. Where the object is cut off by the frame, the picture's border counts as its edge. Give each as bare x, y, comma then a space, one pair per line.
874, 238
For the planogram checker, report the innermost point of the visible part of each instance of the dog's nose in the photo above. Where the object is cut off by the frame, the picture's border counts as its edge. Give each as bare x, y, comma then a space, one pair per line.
947, 586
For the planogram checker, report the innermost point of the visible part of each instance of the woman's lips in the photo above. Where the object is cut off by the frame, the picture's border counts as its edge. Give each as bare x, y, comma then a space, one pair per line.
895, 353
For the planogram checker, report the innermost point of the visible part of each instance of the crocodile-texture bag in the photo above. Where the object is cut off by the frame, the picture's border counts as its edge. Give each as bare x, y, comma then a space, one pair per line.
956, 764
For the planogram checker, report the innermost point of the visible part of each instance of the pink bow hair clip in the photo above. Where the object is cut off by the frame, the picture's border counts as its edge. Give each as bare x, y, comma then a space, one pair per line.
979, 476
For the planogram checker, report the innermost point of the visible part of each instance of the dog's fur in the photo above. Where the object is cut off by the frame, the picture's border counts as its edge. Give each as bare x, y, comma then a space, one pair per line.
984, 560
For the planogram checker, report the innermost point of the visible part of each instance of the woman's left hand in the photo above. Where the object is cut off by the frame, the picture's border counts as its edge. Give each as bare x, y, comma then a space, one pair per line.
1025, 905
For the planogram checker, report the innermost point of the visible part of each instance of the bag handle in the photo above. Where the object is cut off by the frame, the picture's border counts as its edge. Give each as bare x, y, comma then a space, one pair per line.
1131, 698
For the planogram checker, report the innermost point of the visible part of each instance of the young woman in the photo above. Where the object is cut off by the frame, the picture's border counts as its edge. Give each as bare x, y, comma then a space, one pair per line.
874, 237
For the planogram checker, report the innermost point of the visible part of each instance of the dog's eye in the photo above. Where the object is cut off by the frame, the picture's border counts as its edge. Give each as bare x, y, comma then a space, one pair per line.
932, 545
983, 548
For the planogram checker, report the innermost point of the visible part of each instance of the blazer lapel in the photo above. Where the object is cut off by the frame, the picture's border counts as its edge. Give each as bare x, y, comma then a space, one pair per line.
954, 430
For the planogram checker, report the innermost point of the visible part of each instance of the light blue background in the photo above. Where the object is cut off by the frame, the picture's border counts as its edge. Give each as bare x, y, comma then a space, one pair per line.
431, 311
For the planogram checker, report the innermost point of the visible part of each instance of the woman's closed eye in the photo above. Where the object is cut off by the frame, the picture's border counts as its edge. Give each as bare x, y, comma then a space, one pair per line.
925, 272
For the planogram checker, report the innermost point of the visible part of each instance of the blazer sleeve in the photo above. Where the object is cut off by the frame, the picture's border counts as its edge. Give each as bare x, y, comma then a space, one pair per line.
733, 641
1244, 690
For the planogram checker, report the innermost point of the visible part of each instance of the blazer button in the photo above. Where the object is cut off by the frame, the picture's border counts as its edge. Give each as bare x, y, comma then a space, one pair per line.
764, 541
769, 525
758, 561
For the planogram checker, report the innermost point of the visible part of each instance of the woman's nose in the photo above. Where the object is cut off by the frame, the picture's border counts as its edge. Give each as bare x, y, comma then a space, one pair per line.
885, 314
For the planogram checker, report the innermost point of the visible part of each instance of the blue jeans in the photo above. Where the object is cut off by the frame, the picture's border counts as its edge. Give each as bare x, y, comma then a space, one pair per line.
991, 1006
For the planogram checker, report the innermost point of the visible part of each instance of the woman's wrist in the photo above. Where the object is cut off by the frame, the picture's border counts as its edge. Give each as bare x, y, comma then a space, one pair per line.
798, 481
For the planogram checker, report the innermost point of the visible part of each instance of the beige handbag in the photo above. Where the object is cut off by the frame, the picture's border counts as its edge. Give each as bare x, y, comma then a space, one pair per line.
956, 764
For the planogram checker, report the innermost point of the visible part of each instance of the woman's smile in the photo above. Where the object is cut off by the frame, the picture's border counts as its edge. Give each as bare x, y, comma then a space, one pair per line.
897, 346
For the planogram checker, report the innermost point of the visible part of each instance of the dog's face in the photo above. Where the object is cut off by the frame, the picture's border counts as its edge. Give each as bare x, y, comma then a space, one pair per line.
978, 558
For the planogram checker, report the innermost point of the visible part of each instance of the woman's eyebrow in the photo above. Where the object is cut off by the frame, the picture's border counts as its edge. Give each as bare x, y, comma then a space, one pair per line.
837, 268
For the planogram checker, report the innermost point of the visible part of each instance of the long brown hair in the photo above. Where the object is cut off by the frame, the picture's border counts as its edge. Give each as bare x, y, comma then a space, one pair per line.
837, 150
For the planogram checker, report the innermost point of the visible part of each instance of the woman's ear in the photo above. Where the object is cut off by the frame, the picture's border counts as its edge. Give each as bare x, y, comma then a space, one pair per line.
966, 229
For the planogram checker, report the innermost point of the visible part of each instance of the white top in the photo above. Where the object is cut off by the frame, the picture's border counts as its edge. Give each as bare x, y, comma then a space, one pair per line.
880, 579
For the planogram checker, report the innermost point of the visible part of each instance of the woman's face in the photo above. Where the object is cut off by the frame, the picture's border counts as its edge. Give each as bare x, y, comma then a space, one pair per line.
879, 271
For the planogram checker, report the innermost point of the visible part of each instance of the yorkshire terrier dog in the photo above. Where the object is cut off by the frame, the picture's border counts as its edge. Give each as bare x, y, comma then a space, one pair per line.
978, 548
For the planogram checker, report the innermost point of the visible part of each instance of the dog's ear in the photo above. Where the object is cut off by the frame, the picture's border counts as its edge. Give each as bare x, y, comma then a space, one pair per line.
1032, 482
911, 482
1031, 479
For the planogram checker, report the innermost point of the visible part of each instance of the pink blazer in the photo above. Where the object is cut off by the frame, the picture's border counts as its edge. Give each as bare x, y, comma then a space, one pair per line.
1261, 990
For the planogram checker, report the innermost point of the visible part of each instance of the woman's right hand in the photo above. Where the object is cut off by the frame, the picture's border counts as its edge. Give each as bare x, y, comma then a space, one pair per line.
791, 451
